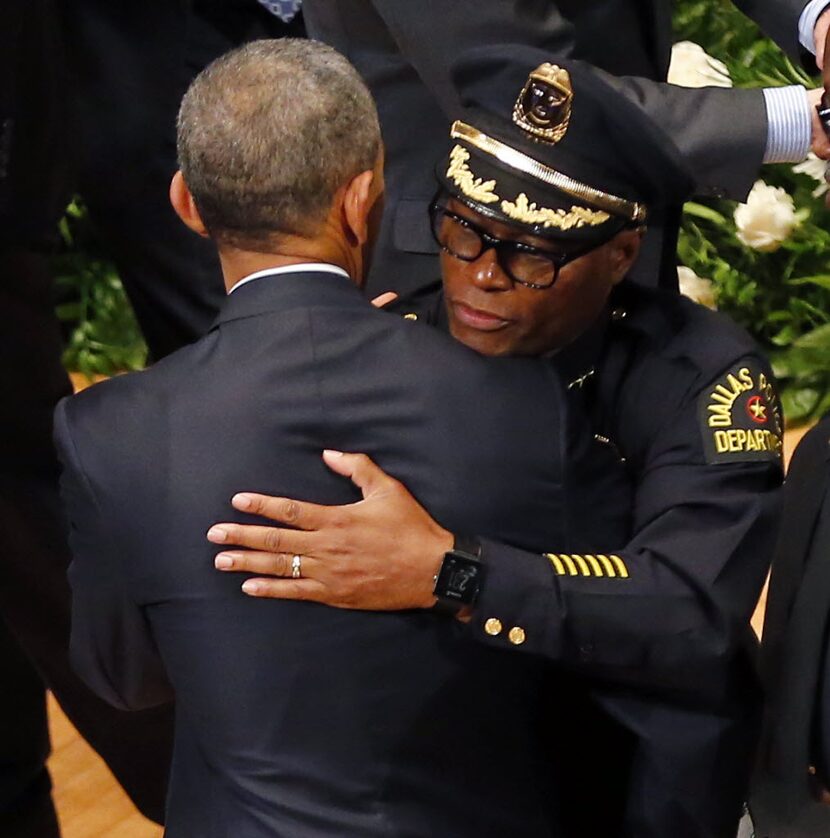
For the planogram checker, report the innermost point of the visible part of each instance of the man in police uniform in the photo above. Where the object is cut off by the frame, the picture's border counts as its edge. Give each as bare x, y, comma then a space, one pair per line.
539, 216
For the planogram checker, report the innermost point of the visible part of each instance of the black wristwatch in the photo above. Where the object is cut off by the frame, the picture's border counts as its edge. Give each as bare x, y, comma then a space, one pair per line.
823, 110
460, 577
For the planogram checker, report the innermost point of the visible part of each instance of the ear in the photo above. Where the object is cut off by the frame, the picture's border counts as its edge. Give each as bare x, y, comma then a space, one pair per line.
358, 200
625, 248
185, 206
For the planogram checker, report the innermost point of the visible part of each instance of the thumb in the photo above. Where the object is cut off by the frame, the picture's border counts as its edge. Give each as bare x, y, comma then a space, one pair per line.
362, 471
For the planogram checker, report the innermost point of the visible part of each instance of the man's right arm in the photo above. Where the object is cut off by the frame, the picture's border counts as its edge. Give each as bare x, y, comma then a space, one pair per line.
111, 646
724, 134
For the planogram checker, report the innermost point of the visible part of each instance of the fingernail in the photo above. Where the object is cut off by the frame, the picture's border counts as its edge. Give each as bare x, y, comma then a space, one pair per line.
332, 453
217, 534
251, 587
242, 501
224, 561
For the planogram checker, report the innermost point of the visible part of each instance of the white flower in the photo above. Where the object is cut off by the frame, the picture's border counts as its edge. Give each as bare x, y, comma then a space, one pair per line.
696, 287
767, 218
815, 167
692, 66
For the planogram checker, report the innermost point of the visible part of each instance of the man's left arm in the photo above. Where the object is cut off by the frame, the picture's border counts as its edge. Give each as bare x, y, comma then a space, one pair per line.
669, 608
111, 647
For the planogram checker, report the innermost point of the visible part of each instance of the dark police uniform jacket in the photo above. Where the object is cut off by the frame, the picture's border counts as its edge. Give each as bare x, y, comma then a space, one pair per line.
406, 50
295, 719
659, 624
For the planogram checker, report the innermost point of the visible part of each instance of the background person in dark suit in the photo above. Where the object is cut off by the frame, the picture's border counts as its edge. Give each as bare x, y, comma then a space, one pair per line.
35, 184
795, 758
88, 97
300, 720
131, 64
542, 198
405, 50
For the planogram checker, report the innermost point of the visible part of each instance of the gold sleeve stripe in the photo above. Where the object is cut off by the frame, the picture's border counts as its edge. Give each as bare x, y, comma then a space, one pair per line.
620, 565
569, 564
557, 564
582, 566
609, 568
594, 565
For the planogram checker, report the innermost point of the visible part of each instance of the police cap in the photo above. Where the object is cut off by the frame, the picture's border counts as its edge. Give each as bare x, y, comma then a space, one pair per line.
556, 150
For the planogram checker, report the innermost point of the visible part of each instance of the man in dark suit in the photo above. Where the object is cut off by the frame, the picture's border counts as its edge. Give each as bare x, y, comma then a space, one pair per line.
794, 768
405, 50
300, 720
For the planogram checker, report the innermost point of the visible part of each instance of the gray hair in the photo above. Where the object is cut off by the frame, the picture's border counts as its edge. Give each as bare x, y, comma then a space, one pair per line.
268, 133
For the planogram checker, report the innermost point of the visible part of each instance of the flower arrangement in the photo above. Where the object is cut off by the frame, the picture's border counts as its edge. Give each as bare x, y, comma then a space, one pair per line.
766, 259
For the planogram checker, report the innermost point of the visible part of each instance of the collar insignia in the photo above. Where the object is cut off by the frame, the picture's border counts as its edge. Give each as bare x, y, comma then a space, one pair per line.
543, 108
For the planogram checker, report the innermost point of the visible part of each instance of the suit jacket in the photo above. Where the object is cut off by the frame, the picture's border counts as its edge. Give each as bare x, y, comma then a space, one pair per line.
796, 656
295, 719
406, 50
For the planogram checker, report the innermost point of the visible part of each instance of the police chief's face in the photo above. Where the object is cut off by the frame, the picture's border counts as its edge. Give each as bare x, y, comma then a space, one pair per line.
494, 315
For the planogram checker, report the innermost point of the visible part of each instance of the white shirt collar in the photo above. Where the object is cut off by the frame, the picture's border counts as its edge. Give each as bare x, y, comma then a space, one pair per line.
324, 267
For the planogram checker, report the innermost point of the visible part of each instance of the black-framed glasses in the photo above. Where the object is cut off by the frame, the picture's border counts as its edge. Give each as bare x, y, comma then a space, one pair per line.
532, 266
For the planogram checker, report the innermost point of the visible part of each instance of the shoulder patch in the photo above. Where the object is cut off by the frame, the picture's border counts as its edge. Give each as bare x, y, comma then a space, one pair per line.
740, 417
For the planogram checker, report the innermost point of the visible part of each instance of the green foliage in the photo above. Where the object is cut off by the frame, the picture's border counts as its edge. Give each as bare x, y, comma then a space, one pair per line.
782, 298
726, 34
103, 336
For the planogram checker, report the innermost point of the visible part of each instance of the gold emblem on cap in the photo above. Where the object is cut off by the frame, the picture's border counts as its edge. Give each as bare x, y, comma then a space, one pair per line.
543, 108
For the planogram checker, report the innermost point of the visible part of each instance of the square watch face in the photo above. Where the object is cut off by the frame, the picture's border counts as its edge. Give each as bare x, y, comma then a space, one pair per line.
458, 579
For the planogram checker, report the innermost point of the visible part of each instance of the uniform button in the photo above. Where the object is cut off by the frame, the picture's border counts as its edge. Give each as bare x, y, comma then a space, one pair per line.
493, 627
517, 635
410, 316
619, 314
586, 651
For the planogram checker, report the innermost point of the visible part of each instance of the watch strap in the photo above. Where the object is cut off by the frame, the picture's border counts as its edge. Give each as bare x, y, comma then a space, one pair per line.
467, 544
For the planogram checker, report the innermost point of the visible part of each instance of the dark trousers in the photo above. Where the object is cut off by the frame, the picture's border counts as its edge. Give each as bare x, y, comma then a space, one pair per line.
34, 593
25, 802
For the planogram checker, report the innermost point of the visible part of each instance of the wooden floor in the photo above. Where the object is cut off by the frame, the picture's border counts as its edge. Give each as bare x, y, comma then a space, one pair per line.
90, 802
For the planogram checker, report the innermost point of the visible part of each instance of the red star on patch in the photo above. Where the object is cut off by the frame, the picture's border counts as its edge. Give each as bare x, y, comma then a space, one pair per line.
757, 410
